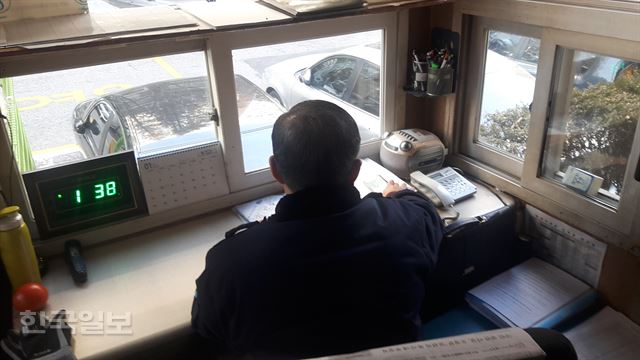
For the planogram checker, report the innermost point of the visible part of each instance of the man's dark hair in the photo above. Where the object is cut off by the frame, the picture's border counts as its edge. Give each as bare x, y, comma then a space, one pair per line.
315, 143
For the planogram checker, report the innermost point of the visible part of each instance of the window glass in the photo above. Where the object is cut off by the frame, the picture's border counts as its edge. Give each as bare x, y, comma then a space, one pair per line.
592, 127
334, 76
257, 112
286, 74
161, 103
366, 93
511, 64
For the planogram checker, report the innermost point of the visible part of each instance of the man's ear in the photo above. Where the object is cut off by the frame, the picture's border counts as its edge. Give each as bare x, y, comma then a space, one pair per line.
355, 171
274, 170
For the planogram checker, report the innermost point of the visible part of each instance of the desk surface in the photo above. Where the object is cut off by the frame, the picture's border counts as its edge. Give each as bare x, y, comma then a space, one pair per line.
484, 201
152, 277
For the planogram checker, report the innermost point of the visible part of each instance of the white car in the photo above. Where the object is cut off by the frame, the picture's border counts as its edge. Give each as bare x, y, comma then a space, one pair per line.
173, 114
349, 78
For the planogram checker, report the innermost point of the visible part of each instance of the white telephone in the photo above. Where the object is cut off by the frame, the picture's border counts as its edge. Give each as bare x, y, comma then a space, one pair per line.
444, 187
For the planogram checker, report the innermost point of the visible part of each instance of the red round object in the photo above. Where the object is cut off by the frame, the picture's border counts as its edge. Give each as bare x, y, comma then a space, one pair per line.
30, 297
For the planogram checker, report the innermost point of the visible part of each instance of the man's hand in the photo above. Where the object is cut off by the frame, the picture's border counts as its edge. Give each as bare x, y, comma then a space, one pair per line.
392, 187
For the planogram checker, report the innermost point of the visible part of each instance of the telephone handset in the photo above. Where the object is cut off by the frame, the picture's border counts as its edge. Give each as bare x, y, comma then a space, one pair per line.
444, 187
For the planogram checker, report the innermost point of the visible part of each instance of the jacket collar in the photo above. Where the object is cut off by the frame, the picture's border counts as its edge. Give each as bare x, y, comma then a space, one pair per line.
316, 202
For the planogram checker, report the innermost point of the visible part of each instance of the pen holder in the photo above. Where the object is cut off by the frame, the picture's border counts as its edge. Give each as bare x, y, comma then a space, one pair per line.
440, 81
419, 75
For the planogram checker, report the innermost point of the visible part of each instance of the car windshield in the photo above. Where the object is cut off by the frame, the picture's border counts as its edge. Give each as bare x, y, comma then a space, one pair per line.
166, 109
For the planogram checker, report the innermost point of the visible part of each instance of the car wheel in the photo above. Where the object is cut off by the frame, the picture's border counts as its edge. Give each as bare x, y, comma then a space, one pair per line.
274, 94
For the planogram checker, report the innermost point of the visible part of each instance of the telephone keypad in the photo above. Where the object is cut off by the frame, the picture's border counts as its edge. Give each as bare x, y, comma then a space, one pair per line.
458, 186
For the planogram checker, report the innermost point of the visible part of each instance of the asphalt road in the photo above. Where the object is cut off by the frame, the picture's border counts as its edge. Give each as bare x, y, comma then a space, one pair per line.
46, 101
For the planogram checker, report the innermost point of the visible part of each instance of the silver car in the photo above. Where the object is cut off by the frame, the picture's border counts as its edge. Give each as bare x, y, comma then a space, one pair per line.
172, 114
349, 78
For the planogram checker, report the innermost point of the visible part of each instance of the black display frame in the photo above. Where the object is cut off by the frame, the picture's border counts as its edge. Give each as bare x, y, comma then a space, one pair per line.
38, 186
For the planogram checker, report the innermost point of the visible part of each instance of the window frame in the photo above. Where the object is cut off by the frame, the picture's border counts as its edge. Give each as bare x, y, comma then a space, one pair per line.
473, 94
221, 44
620, 218
84, 56
596, 28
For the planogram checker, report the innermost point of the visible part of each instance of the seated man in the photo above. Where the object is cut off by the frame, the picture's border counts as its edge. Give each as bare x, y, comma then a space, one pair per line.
329, 272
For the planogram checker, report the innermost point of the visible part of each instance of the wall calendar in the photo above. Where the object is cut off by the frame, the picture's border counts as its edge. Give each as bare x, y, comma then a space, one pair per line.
183, 177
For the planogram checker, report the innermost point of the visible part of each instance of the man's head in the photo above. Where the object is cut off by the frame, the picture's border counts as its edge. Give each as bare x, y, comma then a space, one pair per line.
315, 143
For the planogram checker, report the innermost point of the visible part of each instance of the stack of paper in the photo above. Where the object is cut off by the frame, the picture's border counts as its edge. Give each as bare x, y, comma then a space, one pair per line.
607, 335
374, 177
258, 210
534, 293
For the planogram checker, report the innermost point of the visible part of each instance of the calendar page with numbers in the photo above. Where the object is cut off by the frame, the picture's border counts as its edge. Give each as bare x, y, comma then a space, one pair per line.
182, 177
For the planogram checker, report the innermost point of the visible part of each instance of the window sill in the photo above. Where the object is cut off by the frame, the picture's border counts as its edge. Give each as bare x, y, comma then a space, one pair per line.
604, 197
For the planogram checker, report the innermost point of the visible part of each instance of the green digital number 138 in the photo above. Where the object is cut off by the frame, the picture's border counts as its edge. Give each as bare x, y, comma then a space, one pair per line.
102, 190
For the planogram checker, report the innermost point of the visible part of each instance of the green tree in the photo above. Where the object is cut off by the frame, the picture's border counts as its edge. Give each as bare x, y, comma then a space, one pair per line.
602, 124
507, 130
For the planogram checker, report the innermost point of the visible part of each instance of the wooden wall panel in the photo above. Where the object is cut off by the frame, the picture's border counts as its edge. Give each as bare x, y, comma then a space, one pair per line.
419, 39
434, 114
620, 282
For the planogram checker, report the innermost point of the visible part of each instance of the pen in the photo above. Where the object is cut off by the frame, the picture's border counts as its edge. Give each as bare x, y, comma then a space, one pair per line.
418, 85
417, 60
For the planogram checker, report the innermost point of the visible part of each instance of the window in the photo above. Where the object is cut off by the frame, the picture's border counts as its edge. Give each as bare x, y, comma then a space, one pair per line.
257, 112
159, 94
511, 63
545, 104
336, 60
592, 127
326, 68
501, 98
587, 123
149, 105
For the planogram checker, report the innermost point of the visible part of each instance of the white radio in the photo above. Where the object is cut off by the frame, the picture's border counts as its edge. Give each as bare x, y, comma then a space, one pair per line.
409, 150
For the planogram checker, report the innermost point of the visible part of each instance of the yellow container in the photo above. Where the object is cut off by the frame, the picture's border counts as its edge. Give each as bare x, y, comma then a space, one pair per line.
16, 248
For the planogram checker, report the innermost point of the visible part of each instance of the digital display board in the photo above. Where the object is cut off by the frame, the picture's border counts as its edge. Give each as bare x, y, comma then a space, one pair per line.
86, 194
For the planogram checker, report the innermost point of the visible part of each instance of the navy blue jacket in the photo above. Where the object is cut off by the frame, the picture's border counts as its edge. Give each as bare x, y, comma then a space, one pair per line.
328, 273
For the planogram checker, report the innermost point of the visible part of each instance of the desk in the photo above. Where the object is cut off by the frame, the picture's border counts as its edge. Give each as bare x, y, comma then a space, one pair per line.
152, 276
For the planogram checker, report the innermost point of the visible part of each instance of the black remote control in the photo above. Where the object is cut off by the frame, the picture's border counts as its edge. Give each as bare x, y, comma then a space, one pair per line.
75, 261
